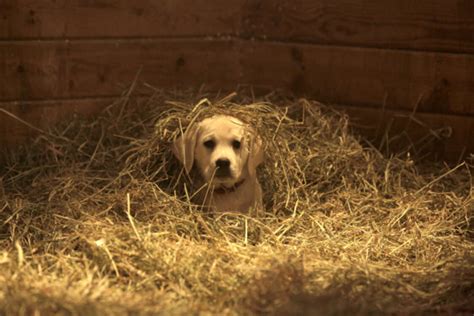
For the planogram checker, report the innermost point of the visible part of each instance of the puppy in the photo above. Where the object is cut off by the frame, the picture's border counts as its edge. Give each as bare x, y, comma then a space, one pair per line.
226, 153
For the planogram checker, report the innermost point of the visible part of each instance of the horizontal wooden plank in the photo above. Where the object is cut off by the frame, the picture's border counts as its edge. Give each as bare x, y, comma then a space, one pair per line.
74, 69
397, 24
25, 118
397, 129
21, 19
424, 25
50, 69
437, 82
447, 137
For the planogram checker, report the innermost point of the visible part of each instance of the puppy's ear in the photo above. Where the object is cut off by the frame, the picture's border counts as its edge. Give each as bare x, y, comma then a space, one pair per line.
184, 145
255, 152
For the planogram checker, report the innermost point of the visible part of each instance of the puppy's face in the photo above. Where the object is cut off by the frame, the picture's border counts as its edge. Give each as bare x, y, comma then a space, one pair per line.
223, 149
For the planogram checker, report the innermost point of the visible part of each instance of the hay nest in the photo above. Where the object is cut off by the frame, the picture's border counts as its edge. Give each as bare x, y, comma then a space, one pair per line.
95, 219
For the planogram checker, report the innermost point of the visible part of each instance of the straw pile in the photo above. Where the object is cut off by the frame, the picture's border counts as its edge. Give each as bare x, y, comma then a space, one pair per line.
94, 220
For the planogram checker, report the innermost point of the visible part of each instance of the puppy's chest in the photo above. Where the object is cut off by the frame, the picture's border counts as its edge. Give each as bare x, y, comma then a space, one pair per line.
238, 200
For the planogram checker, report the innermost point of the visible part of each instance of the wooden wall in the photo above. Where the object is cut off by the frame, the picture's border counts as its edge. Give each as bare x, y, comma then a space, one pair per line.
378, 60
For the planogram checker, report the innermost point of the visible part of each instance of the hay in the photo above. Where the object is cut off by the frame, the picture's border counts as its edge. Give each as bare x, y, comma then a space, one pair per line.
95, 219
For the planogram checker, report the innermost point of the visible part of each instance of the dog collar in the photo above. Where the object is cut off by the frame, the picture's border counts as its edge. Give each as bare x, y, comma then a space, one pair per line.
224, 190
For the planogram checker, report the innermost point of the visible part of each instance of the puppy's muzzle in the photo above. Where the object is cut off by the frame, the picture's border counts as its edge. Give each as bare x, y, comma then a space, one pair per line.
223, 168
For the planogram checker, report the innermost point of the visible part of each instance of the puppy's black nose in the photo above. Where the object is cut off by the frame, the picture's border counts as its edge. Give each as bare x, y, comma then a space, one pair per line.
223, 163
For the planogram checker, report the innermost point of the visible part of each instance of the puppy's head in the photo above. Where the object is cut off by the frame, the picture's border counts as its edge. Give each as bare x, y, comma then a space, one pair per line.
222, 147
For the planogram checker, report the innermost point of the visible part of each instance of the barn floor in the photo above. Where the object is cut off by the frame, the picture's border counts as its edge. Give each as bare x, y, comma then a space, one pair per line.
94, 221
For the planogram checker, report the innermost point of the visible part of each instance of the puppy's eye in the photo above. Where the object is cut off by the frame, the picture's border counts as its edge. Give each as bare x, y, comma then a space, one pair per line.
209, 144
236, 144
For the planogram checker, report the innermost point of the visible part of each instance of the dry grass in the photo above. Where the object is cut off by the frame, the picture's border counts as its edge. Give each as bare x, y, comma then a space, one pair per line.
94, 220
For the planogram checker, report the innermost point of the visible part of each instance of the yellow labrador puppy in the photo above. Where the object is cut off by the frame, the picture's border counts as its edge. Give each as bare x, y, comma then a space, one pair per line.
226, 153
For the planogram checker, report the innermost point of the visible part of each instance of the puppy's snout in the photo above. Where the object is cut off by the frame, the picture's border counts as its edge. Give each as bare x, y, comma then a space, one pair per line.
223, 163
223, 168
